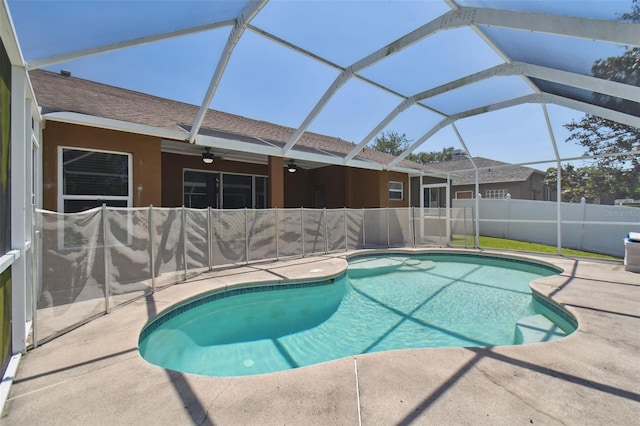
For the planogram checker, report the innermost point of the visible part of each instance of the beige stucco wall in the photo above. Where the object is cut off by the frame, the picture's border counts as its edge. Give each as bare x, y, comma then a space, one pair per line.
531, 189
145, 151
158, 176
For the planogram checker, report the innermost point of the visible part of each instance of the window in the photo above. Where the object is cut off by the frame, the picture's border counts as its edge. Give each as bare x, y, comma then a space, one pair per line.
236, 191
496, 194
261, 192
88, 179
224, 190
395, 191
201, 189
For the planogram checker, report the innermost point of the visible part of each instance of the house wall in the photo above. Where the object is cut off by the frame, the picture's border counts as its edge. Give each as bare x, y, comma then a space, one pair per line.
389, 176
330, 181
531, 189
537, 187
145, 151
173, 166
370, 188
275, 182
362, 188
158, 176
343, 187
295, 189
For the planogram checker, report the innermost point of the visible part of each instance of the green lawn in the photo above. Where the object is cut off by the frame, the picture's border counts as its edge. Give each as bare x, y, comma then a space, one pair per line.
501, 243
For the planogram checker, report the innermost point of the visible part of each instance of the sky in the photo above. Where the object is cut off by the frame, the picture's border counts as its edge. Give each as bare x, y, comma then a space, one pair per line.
267, 81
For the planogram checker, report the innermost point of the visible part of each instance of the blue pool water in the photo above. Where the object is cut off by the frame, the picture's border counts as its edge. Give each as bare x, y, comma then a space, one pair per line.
380, 304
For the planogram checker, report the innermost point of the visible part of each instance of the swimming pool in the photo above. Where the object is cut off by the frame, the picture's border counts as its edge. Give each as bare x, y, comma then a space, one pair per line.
381, 303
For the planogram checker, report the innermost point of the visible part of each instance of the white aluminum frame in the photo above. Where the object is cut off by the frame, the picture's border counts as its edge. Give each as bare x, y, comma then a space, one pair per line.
25, 107
609, 31
238, 29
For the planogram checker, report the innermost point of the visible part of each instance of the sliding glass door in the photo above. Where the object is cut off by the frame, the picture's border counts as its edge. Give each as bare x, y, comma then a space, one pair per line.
224, 190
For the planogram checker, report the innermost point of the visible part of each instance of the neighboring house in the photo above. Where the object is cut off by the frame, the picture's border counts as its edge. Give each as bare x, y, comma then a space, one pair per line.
104, 144
496, 179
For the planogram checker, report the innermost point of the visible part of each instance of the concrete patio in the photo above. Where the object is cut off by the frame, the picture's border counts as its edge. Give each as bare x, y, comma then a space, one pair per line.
94, 375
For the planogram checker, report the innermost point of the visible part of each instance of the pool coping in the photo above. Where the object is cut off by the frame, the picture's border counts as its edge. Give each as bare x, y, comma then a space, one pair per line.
95, 375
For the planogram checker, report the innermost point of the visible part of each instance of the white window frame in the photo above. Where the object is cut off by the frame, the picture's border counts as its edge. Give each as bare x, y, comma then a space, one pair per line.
62, 197
396, 190
495, 194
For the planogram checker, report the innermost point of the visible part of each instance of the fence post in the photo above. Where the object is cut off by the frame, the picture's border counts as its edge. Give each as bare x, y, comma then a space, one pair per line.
37, 275
302, 228
413, 224
440, 226
364, 232
246, 236
152, 252
464, 220
583, 201
388, 231
209, 238
105, 258
277, 234
326, 237
184, 242
346, 235
507, 215
472, 231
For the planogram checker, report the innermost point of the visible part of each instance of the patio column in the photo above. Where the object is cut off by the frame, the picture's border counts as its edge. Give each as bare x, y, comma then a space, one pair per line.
21, 208
275, 191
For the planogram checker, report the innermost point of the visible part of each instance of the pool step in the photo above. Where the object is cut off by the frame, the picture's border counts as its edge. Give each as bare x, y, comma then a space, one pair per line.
384, 265
374, 266
537, 328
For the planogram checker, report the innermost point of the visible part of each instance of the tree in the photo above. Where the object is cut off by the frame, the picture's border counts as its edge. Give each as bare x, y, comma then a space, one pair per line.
590, 182
395, 143
600, 136
433, 156
391, 142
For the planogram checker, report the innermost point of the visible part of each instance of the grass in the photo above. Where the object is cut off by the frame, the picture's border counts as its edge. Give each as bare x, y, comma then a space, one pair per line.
504, 244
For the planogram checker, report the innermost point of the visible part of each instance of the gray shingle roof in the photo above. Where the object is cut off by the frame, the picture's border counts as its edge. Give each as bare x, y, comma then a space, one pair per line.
462, 172
56, 93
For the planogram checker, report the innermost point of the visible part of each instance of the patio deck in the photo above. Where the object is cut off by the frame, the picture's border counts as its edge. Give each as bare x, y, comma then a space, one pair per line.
94, 374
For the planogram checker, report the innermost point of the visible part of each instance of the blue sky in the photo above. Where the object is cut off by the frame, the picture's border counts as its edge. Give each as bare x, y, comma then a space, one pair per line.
267, 81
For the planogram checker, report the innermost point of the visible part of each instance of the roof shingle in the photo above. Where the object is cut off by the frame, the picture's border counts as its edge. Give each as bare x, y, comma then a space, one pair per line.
57, 93
463, 173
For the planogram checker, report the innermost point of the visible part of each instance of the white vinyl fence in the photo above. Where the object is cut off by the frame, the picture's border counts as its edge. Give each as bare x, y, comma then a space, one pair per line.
590, 227
148, 248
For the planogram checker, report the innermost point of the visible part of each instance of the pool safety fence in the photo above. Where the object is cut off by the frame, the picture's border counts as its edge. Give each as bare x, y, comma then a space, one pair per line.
91, 262
85, 264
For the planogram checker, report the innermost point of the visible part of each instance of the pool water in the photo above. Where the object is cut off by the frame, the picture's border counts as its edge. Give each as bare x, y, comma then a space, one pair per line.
380, 304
